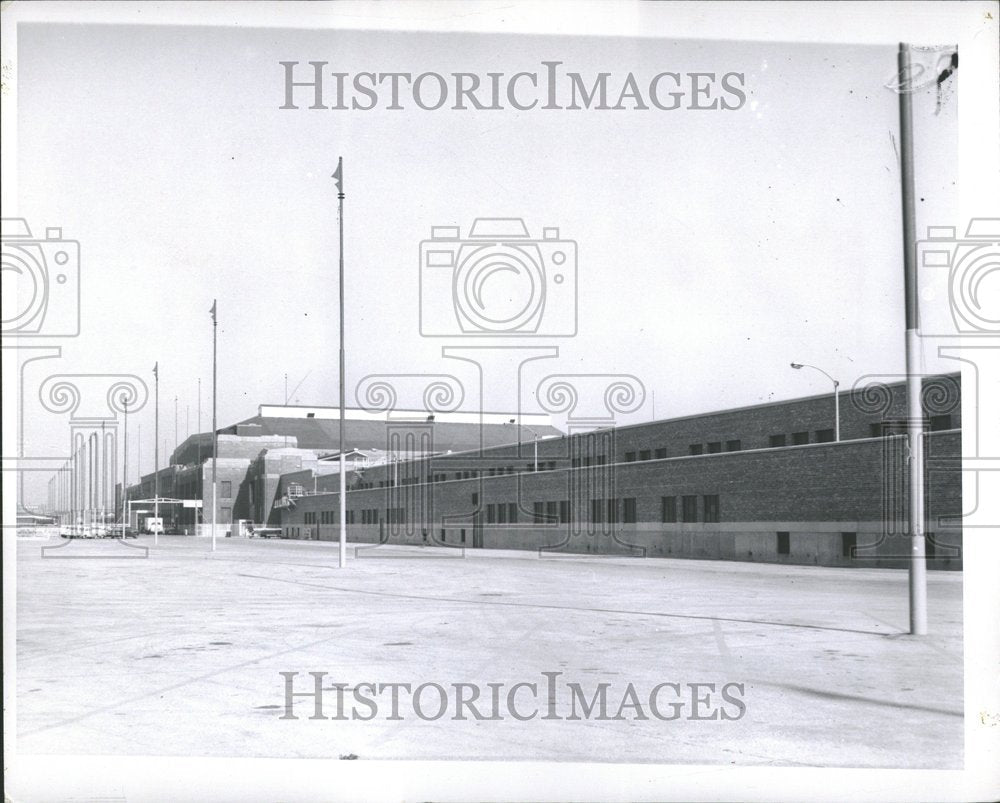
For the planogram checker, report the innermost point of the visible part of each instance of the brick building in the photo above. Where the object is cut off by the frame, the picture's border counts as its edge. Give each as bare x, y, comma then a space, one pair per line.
256, 453
760, 483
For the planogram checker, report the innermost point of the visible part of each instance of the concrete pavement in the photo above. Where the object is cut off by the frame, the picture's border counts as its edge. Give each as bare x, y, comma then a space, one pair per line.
182, 654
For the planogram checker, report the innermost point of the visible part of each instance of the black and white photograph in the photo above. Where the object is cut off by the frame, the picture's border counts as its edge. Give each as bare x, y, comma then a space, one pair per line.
501, 401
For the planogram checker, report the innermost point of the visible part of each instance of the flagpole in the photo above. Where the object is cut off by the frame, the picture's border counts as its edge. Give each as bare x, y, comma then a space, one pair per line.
339, 176
124, 464
215, 440
156, 457
914, 406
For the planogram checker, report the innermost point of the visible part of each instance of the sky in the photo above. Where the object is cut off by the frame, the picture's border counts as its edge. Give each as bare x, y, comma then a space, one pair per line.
713, 247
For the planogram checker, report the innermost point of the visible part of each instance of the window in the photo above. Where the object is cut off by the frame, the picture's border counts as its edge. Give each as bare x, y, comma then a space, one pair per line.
784, 543
501, 513
800, 438
551, 512
539, 512
227, 515
689, 508
628, 510
661, 454
734, 445
491, 514
444, 536
695, 448
644, 454
848, 544
512, 512
711, 508
875, 430
461, 536
475, 500
612, 505
629, 457
668, 508
929, 547
227, 489
715, 447
574, 463
564, 511
596, 511
940, 422
552, 465
824, 436
776, 441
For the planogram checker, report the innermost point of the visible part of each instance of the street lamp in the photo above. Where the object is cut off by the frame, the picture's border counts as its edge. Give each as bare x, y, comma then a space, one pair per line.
535, 434
836, 396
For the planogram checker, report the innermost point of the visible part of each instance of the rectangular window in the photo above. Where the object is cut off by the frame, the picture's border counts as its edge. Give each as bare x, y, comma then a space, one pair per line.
930, 551
612, 505
628, 510
564, 511
629, 457
714, 447
491, 514
444, 536
551, 512
711, 502
539, 512
461, 536
776, 441
227, 515
940, 422
784, 543
875, 430
512, 513
689, 508
800, 438
734, 445
695, 448
848, 544
501, 513
574, 463
824, 436
596, 511
668, 508
227, 489
661, 454
645, 454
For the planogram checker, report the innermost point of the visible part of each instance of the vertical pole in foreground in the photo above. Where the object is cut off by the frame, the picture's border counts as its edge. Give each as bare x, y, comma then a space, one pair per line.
156, 457
339, 177
125, 466
914, 407
215, 438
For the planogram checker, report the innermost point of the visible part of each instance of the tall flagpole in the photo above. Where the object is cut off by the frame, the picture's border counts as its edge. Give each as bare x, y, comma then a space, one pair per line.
156, 457
914, 406
215, 440
124, 464
339, 177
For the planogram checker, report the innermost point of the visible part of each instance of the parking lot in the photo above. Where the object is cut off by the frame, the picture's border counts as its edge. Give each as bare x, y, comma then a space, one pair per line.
179, 651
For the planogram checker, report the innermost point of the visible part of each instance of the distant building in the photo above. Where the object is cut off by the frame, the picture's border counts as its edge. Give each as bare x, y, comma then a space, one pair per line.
760, 483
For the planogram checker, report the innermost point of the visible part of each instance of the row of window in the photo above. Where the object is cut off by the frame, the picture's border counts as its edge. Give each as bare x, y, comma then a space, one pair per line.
800, 438
551, 512
689, 509
613, 510
502, 513
715, 447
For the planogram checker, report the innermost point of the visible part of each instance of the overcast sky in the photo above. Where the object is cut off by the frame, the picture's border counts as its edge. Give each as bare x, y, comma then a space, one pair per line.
714, 247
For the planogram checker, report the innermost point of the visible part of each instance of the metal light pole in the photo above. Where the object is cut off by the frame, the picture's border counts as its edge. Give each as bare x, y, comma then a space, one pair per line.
215, 438
156, 458
124, 464
836, 396
338, 176
534, 435
914, 407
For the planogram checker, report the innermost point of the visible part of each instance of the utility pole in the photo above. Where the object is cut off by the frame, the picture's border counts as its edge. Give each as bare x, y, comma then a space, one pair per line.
124, 464
914, 406
156, 457
215, 439
338, 176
